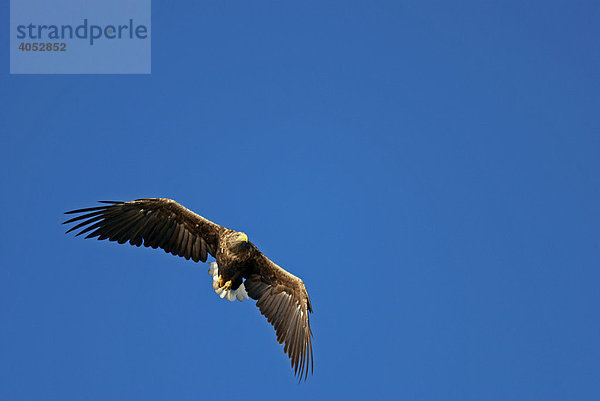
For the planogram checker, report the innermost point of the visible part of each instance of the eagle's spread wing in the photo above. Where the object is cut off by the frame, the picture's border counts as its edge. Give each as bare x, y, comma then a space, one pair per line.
282, 298
154, 222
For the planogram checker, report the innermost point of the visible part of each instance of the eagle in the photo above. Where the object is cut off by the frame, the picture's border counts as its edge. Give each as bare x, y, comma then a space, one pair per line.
240, 270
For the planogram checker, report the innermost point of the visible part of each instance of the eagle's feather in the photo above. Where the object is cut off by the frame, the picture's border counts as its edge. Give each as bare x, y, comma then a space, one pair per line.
163, 223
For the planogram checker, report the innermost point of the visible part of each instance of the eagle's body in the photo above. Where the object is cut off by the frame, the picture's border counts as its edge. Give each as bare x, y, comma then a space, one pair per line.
235, 258
240, 271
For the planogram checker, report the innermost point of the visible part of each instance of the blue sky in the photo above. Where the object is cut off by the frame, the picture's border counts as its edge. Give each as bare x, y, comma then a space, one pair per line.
430, 170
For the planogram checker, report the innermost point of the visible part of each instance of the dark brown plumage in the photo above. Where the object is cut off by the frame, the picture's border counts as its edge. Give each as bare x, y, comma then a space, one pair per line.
163, 223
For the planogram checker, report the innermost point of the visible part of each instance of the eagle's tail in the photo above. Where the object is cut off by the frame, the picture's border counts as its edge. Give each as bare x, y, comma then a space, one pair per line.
231, 295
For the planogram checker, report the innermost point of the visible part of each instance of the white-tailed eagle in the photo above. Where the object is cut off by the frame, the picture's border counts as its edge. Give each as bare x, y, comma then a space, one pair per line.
240, 271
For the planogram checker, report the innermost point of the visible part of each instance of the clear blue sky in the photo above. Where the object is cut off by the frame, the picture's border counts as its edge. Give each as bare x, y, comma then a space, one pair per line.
431, 170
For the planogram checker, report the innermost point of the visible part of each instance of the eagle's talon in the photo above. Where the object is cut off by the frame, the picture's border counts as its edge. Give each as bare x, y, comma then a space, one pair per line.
223, 285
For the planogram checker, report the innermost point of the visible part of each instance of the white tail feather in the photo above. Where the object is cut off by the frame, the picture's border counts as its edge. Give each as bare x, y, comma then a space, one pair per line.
231, 295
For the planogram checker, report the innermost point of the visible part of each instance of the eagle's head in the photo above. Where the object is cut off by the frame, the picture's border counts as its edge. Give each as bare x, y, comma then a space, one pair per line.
238, 242
241, 237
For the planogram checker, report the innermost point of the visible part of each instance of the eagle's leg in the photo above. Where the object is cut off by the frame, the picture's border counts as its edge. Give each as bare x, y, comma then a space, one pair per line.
231, 287
225, 285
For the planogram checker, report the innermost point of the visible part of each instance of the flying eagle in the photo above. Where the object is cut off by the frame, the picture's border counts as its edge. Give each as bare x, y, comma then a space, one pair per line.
240, 271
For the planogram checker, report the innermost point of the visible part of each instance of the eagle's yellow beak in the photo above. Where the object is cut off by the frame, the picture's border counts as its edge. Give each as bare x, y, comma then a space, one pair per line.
242, 237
